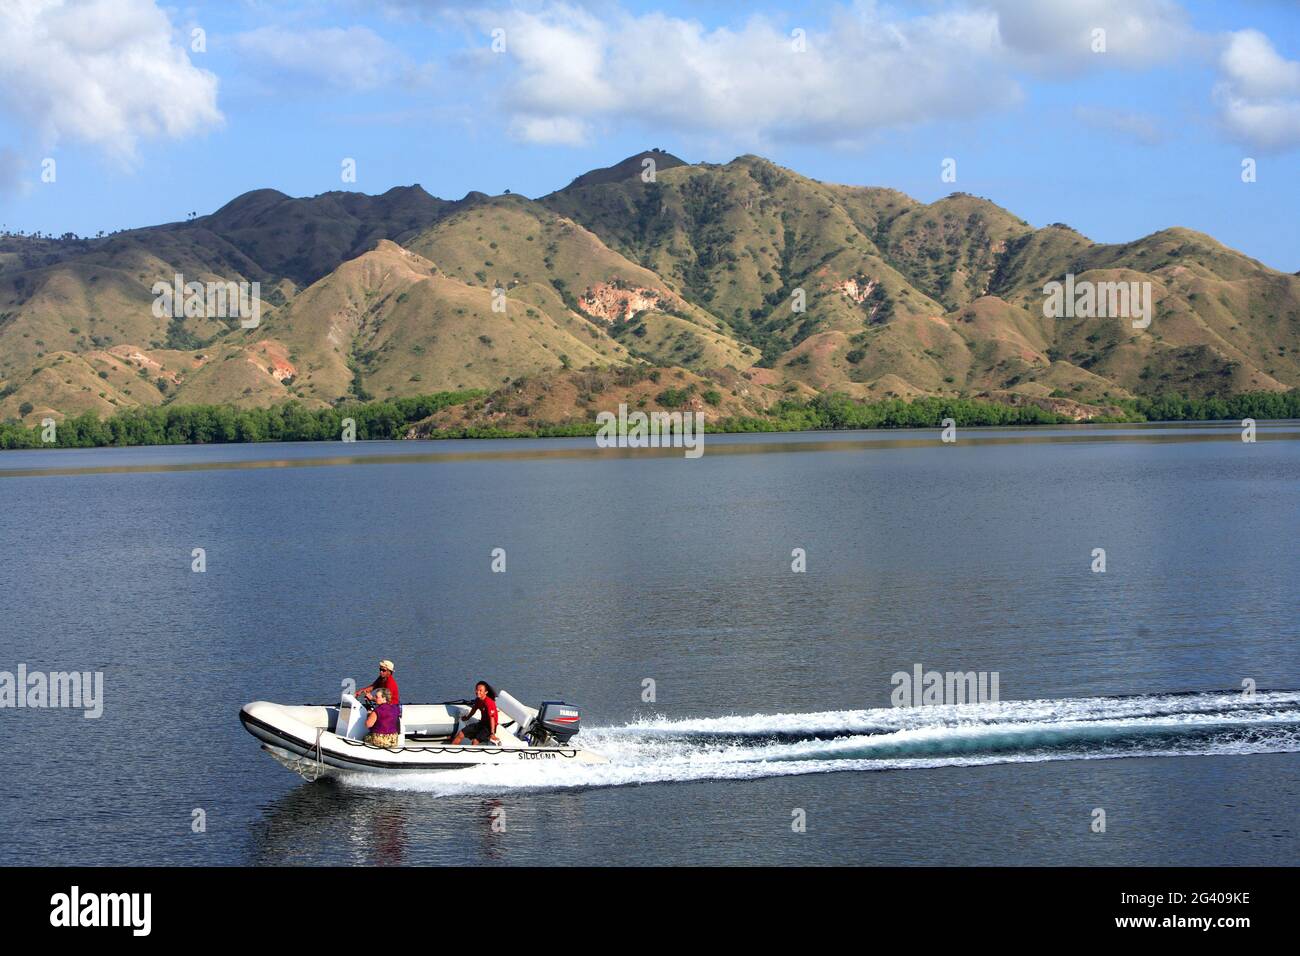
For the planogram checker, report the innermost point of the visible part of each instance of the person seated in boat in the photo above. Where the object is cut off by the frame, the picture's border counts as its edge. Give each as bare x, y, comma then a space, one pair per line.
384, 680
484, 729
384, 723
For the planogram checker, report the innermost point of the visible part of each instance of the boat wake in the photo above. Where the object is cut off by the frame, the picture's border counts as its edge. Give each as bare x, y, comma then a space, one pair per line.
1030, 731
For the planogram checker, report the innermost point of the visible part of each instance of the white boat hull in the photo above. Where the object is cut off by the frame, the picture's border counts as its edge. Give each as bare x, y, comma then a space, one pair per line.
324, 741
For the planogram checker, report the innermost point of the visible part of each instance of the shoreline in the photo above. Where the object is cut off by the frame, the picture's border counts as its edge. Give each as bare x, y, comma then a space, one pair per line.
314, 454
417, 418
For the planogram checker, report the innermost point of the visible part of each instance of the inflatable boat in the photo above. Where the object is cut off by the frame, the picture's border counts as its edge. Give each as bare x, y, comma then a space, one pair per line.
321, 740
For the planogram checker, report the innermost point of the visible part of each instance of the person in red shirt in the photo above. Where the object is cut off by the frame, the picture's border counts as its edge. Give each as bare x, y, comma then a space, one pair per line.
384, 680
484, 729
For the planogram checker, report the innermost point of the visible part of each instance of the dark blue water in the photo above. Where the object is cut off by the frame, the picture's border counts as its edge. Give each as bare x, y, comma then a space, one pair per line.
626, 567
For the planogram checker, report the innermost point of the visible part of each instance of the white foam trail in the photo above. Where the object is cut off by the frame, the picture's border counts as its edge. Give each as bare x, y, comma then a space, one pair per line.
885, 718
760, 745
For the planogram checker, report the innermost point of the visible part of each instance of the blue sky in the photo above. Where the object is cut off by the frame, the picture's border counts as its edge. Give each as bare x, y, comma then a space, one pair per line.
1149, 132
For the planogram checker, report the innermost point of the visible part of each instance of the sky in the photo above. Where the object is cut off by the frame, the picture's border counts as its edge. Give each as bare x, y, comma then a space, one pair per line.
1116, 117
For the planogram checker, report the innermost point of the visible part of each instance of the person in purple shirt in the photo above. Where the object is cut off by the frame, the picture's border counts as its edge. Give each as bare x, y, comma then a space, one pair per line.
384, 722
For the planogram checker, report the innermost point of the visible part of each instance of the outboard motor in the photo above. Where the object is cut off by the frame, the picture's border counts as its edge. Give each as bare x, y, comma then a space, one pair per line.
556, 719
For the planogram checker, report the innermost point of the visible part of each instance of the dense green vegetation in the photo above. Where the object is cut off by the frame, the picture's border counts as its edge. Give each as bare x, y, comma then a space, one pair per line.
569, 430
837, 411
204, 424
1173, 408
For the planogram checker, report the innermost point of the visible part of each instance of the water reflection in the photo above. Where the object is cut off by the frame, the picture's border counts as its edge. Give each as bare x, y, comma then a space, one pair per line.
373, 827
319, 821
532, 450
358, 825
493, 826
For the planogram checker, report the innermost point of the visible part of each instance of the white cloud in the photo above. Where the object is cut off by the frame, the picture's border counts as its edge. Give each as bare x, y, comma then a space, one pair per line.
574, 70
577, 67
1256, 69
104, 72
558, 130
355, 58
1259, 94
1059, 36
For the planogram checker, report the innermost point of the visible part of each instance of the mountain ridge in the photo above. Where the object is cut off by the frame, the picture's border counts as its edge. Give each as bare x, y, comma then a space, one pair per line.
746, 273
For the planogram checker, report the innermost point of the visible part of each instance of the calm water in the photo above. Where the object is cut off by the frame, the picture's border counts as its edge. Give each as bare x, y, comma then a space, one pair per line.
772, 688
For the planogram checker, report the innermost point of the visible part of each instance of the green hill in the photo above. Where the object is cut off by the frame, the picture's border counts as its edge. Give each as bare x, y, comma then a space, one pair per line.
743, 271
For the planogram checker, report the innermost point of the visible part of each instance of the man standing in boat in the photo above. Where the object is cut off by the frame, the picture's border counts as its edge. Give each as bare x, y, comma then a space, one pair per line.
384, 680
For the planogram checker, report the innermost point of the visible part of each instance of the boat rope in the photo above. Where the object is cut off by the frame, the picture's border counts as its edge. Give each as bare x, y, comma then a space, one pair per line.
319, 731
562, 751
